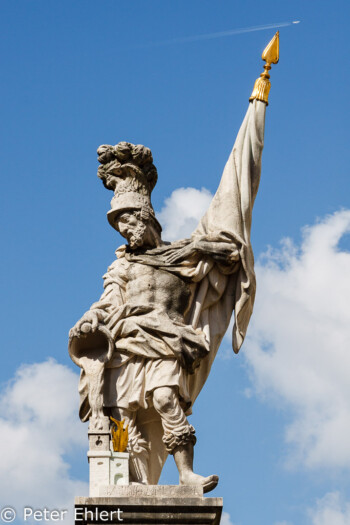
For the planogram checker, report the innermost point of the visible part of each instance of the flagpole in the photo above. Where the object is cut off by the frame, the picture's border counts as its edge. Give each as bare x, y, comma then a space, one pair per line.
262, 84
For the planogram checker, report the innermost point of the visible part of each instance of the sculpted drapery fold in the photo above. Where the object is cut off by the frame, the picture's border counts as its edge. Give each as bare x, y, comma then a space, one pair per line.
231, 212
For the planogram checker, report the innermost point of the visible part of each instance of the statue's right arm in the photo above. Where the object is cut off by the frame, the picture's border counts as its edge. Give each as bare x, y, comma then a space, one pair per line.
110, 300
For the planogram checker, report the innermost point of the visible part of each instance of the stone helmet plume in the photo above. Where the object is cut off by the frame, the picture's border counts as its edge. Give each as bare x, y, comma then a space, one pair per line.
128, 170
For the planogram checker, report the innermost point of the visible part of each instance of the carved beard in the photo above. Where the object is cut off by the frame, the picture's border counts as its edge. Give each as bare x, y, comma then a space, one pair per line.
137, 235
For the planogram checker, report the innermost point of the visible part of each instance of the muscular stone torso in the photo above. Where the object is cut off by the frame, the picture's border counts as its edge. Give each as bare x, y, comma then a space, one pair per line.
148, 285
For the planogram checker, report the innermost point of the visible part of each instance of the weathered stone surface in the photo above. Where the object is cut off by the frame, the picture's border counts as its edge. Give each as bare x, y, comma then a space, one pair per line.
107, 468
99, 439
98, 470
152, 491
119, 469
151, 510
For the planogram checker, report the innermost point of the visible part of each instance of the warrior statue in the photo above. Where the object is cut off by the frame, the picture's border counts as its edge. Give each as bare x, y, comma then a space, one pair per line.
147, 346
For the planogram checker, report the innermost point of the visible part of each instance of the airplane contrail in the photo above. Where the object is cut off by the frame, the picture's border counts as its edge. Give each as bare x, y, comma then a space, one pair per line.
220, 34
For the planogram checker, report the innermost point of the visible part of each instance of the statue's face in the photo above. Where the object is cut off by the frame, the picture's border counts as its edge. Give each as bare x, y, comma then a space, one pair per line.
132, 228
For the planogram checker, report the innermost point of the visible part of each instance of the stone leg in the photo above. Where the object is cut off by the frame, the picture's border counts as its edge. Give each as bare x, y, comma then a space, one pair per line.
137, 446
177, 430
179, 437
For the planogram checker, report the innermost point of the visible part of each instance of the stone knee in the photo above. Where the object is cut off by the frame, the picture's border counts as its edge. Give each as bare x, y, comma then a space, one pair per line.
165, 399
177, 430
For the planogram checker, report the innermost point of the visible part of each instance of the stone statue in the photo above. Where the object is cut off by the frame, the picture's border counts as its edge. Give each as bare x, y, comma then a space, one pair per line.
145, 349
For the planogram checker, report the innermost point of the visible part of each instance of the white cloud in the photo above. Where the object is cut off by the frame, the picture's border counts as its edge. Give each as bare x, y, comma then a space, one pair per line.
38, 425
331, 510
226, 519
182, 211
299, 341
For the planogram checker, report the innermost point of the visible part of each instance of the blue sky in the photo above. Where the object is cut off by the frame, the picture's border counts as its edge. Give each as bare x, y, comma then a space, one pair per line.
79, 74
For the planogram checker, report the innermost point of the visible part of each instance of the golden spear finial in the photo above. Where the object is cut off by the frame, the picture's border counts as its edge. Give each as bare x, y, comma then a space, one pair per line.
271, 56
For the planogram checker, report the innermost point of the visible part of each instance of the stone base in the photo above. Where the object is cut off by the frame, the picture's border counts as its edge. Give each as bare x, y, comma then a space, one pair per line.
149, 505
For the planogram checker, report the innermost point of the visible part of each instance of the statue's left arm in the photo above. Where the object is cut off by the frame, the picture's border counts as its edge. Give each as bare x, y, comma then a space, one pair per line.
221, 248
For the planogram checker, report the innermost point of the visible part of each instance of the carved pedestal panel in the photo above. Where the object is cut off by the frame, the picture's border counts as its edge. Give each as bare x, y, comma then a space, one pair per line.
149, 504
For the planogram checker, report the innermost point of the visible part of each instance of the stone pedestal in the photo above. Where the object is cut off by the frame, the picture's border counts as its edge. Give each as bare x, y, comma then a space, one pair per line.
148, 504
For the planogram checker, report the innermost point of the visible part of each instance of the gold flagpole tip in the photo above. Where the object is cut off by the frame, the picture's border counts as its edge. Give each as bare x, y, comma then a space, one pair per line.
270, 55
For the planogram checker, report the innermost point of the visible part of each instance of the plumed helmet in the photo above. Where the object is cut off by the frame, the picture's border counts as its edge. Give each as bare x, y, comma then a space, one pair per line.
128, 170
